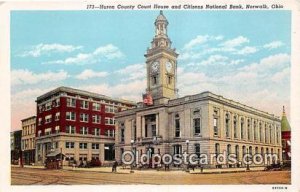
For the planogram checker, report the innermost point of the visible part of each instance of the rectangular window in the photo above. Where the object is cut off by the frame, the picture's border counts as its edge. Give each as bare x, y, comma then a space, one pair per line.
122, 135
197, 149
48, 106
95, 145
96, 106
48, 131
216, 129
96, 119
71, 102
110, 109
83, 130
196, 124
234, 129
177, 127
57, 129
177, 149
71, 116
84, 117
97, 131
40, 121
57, 102
48, 119
57, 116
70, 145
84, 104
153, 130
83, 145
39, 133
70, 129
109, 121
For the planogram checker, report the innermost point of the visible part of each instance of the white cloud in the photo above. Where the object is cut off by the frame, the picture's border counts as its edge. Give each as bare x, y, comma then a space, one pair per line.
273, 45
217, 60
42, 49
201, 39
104, 53
236, 42
128, 90
133, 72
269, 63
88, 73
247, 50
24, 76
281, 75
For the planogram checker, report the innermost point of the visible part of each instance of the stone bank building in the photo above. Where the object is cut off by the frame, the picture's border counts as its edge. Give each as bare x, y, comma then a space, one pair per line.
201, 123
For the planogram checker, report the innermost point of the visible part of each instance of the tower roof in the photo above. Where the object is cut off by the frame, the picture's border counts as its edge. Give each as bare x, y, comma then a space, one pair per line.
161, 17
285, 126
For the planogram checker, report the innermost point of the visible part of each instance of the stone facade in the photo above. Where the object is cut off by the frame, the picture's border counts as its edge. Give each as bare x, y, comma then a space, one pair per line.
202, 123
28, 139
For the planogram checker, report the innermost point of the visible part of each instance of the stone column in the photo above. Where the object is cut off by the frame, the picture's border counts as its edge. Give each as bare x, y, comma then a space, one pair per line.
101, 152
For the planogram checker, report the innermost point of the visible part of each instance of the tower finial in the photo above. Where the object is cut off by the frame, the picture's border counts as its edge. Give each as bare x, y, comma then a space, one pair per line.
283, 111
161, 12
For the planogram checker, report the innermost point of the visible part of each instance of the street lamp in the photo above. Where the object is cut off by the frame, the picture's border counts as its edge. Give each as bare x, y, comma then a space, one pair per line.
131, 166
187, 146
248, 168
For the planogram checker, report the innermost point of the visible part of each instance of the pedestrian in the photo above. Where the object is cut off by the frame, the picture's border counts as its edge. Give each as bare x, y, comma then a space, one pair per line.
114, 166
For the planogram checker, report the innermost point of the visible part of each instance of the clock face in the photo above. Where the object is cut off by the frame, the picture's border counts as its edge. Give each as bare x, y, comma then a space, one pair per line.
168, 67
155, 66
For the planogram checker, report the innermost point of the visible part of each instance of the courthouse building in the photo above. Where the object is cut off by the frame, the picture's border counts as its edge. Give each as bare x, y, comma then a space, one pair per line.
28, 140
77, 125
201, 123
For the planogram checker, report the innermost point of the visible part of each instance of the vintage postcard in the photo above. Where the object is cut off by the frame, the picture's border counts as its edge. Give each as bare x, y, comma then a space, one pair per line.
144, 95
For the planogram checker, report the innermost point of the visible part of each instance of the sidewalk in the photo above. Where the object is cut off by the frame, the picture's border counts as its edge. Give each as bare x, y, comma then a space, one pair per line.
226, 170
120, 170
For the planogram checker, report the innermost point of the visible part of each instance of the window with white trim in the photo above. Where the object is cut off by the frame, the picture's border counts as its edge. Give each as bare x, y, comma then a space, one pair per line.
95, 145
71, 102
71, 116
84, 130
40, 121
48, 131
82, 145
109, 121
57, 129
70, 129
84, 104
48, 119
84, 117
70, 145
57, 116
48, 106
96, 106
97, 131
96, 119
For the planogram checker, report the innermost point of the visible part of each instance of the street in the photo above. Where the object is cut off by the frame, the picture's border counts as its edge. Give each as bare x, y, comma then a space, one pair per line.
30, 176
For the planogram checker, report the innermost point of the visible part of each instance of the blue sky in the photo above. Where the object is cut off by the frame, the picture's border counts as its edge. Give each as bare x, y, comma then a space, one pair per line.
242, 55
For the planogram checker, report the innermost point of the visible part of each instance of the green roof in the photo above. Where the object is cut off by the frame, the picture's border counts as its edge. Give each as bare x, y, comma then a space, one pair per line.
285, 126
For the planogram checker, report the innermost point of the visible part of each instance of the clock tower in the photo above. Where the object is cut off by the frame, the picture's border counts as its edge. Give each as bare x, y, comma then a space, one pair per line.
161, 64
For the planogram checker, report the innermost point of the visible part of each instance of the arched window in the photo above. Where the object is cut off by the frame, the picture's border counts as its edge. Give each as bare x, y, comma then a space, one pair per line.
177, 125
237, 152
235, 134
217, 149
228, 149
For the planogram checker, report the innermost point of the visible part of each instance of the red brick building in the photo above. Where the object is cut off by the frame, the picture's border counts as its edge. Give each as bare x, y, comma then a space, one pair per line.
78, 124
